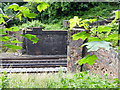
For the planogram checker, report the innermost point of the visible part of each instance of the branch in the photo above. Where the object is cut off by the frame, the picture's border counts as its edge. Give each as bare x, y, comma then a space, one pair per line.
10, 19
13, 17
2, 11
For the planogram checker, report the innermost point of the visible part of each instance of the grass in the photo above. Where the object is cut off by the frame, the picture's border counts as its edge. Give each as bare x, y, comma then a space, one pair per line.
59, 80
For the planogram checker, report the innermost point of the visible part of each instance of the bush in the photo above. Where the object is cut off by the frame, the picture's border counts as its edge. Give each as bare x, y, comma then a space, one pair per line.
37, 23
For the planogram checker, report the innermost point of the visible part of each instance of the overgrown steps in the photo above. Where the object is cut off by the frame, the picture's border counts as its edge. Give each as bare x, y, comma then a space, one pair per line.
30, 62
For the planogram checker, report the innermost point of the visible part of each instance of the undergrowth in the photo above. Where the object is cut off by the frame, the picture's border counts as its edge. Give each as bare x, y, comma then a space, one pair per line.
37, 23
57, 80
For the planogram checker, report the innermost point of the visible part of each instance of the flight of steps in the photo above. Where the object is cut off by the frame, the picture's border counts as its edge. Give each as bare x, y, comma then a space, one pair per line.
34, 63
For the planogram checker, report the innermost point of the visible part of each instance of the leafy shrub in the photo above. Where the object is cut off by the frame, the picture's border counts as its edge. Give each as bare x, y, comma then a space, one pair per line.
82, 80
28, 24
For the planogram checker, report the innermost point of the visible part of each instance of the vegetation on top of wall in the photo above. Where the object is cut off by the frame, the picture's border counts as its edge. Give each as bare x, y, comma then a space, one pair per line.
37, 23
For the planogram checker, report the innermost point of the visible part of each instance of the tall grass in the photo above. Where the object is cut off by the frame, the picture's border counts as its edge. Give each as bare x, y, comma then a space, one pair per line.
59, 80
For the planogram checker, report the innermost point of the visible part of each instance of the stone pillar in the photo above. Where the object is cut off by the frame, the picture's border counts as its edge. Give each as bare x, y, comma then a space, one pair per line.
74, 51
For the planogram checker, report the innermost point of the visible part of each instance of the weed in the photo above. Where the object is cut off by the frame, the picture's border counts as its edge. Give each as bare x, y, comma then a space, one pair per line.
4, 81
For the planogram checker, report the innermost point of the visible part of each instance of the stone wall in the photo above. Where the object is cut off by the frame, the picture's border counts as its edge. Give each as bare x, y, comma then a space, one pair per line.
49, 43
74, 52
107, 63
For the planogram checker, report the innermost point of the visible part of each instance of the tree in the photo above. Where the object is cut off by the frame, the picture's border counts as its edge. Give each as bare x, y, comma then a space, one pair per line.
98, 37
20, 11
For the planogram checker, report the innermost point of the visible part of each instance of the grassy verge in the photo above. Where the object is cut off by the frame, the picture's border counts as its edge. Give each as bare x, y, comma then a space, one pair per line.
59, 80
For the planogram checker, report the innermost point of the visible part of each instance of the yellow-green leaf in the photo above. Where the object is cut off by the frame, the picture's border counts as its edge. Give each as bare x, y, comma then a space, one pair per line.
16, 41
12, 46
42, 6
74, 22
88, 59
81, 35
14, 6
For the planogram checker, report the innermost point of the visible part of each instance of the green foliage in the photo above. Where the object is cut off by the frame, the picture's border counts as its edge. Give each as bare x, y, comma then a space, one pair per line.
12, 29
5, 38
14, 6
12, 46
82, 35
95, 45
61, 80
28, 24
4, 81
74, 22
117, 16
88, 59
37, 23
103, 10
21, 11
59, 11
42, 6
24, 11
16, 41
112, 37
91, 39
103, 33
1, 19
106, 33
32, 38
104, 29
